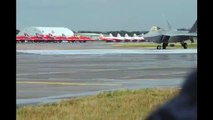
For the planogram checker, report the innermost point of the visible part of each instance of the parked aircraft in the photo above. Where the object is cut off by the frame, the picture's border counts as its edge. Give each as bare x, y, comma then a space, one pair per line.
57, 38
159, 35
111, 38
135, 38
119, 38
26, 37
138, 39
127, 38
79, 39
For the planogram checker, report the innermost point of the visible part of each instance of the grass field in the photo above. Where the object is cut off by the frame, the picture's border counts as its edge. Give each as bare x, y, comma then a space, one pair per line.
152, 45
117, 105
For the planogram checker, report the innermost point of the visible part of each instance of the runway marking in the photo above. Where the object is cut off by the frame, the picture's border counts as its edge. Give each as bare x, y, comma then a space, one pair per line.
108, 51
65, 83
43, 73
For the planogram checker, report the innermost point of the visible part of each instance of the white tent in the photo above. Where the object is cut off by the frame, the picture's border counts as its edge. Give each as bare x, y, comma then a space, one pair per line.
56, 31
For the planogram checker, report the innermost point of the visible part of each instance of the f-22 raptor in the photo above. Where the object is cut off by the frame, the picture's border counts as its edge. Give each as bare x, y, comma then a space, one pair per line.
159, 35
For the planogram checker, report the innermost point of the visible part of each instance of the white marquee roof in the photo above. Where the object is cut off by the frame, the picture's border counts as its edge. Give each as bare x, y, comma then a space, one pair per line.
56, 31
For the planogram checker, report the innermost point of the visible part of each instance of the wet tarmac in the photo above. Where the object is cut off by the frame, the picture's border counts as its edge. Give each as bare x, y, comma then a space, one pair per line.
44, 77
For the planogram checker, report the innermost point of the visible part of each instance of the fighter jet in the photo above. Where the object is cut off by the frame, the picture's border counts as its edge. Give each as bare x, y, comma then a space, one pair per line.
119, 38
137, 38
128, 38
111, 38
159, 35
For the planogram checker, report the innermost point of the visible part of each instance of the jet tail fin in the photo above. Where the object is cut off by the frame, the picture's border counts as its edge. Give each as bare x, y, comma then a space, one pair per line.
134, 35
118, 35
168, 25
142, 34
101, 36
194, 27
110, 35
126, 35
25, 34
167, 22
63, 35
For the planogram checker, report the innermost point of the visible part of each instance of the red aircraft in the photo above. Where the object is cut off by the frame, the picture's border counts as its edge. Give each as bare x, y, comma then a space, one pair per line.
107, 39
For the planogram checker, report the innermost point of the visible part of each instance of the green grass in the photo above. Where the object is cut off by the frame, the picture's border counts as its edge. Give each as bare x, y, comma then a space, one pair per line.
117, 105
150, 45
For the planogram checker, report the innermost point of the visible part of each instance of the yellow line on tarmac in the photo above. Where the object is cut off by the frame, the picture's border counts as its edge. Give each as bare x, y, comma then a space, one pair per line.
63, 83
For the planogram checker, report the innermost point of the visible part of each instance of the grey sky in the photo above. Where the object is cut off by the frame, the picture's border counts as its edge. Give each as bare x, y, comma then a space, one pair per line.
105, 15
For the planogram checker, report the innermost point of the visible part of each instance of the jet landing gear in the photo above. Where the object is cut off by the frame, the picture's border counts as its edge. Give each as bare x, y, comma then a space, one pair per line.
159, 47
184, 45
164, 45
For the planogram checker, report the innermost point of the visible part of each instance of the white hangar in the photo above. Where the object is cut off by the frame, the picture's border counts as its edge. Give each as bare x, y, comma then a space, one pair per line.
56, 31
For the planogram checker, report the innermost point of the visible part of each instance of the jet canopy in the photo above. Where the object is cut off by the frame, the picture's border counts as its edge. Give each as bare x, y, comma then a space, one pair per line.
155, 28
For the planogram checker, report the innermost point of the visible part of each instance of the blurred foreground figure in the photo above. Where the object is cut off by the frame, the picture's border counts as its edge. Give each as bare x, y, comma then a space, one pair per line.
181, 107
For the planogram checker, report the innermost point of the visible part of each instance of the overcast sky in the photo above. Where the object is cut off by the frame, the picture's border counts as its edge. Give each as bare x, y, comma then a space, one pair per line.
106, 15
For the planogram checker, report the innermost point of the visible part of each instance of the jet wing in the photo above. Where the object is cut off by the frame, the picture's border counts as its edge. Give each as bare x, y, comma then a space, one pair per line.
178, 36
179, 33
